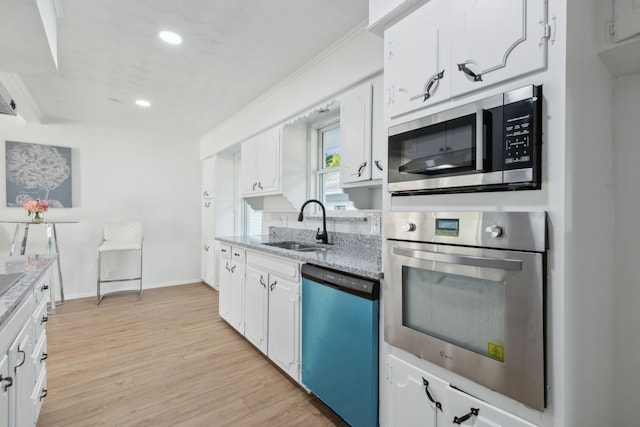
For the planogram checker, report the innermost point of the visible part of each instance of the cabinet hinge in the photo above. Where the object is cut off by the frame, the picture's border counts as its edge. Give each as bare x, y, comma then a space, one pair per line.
612, 30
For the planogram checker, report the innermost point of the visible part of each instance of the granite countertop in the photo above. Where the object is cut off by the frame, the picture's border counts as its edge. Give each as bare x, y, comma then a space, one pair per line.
352, 256
33, 267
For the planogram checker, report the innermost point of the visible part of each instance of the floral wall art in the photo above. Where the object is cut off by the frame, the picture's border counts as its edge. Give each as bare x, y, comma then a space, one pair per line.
38, 172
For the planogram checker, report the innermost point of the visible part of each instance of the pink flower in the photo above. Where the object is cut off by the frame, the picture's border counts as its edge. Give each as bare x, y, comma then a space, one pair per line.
32, 206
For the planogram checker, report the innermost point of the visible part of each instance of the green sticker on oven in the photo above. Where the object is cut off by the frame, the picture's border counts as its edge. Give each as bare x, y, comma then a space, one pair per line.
495, 351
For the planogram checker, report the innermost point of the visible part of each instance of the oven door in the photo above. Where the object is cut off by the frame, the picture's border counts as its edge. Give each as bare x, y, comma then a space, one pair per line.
477, 312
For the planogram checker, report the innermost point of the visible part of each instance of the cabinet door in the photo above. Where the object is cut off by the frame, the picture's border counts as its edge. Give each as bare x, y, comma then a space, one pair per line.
248, 181
6, 381
626, 19
208, 176
236, 303
355, 135
21, 363
284, 325
495, 40
207, 262
225, 282
465, 410
268, 165
417, 59
207, 218
417, 398
256, 308
260, 164
378, 132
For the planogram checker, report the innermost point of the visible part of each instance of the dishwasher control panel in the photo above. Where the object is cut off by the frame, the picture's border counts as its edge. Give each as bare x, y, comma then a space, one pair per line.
360, 286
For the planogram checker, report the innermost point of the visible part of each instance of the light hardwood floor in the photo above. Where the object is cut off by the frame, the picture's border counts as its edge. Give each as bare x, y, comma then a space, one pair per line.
168, 360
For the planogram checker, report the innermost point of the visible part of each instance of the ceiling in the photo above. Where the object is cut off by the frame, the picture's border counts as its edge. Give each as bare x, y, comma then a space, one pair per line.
109, 55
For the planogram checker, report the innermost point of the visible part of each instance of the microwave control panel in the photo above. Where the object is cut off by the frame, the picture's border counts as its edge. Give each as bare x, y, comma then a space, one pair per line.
518, 135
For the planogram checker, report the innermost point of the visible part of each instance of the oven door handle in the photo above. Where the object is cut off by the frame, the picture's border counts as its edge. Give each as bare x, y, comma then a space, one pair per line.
475, 261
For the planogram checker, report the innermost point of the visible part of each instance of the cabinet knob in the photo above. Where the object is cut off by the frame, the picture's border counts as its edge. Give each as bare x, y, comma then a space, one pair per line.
44, 319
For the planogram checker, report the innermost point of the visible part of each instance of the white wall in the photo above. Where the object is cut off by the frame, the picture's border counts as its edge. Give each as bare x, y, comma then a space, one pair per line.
118, 175
589, 225
626, 353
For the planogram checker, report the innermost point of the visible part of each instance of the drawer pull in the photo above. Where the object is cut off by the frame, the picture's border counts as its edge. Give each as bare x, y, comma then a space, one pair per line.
472, 412
43, 394
6, 382
44, 356
44, 319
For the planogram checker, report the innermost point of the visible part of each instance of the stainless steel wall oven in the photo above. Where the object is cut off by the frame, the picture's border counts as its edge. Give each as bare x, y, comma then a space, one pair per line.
491, 144
466, 291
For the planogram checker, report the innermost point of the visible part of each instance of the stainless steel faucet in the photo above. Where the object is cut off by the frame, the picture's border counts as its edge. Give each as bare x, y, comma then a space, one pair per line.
323, 237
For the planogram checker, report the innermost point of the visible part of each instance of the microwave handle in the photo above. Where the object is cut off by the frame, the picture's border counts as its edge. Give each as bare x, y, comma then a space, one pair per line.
480, 139
475, 261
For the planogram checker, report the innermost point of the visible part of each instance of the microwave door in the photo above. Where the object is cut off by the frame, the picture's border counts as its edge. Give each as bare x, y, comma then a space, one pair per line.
439, 163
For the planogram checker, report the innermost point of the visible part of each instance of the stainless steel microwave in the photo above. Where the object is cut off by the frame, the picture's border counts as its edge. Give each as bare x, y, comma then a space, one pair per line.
492, 144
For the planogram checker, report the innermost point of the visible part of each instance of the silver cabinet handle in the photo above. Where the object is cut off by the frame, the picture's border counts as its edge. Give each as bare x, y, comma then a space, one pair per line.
207, 204
475, 261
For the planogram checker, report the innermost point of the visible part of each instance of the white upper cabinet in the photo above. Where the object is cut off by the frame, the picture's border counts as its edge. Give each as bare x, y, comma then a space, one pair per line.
362, 137
261, 168
448, 48
626, 19
495, 40
208, 177
417, 66
355, 134
378, 132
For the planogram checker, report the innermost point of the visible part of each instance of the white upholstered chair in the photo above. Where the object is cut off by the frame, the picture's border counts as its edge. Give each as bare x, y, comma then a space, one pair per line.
121, 241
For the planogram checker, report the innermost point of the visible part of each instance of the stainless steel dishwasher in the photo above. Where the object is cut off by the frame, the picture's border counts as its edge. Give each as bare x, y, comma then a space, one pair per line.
340, 342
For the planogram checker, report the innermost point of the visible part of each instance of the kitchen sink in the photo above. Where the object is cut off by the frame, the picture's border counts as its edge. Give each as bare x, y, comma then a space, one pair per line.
296, 246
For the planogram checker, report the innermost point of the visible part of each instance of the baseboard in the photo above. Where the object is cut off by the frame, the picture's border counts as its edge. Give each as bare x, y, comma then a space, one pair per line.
145, 287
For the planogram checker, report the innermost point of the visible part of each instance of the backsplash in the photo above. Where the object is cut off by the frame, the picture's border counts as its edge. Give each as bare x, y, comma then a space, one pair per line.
366, 245
368, 223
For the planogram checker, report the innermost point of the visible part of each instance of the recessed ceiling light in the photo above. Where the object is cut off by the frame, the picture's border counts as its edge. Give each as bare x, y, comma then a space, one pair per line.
143, 103
170, 37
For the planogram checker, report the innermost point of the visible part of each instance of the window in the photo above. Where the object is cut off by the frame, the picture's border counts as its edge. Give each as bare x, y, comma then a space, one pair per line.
329, 190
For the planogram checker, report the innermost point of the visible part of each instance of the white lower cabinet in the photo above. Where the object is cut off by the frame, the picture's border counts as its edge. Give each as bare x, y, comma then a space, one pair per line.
466, 410
207, 262
265, 307
232, 269
256, 302
418, 398
23, 355
6, 382
284, 325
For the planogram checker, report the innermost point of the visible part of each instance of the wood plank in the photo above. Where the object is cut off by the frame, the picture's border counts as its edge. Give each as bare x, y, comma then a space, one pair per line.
168, 360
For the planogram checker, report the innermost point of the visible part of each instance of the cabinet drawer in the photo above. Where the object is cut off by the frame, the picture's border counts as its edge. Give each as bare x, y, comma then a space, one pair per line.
40, 355
38, 395
39, 320
225, 251
238, 255
41, 289
279, 266
470, 411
